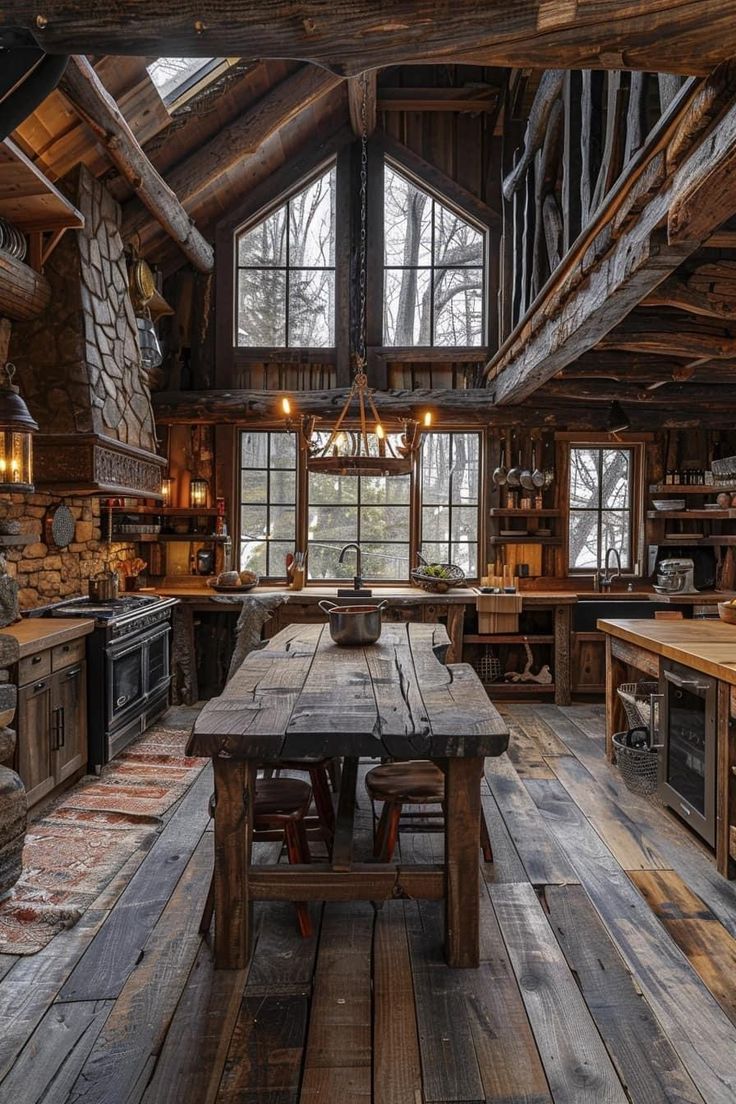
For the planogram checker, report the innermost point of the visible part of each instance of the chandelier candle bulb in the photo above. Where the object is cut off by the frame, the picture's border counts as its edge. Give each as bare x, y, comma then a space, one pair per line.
285, 407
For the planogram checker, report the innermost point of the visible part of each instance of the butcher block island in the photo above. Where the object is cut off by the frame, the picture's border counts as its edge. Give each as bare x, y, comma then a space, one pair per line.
367, 522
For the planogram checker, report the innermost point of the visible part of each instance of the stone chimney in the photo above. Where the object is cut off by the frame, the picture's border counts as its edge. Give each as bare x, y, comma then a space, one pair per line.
79, 364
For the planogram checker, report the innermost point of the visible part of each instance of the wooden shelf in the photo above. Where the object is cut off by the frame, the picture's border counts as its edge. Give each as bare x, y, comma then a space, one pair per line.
166, 511
700, 515
508, 638
156, 538
28, 199
528, 538
686, 488
552, 513
712, 542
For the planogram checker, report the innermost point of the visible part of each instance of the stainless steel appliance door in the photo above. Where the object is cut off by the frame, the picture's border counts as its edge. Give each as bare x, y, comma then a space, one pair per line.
126, 680
688, 757
157, 660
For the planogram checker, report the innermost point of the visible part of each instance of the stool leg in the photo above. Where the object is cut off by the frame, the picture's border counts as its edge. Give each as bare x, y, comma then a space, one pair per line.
334, 769
485, 839
380, 830
323, 801
388, 843
298, 851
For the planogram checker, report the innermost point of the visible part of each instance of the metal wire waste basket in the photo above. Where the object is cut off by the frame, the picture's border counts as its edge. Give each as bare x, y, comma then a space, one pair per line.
639, 766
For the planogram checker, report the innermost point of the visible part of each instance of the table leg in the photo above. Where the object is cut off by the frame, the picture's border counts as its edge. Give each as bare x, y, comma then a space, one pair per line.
234, 802
462, 836
615, 674
563, 694
342, 844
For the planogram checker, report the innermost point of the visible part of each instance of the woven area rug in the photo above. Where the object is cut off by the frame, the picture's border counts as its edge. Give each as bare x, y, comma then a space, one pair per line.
74, 851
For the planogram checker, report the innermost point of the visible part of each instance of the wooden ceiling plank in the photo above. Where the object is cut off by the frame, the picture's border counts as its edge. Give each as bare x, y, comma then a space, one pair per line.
99, 110
240, 139
349, 36
473, 99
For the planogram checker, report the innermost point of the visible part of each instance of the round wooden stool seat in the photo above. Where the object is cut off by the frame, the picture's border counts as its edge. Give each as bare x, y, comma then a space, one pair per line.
278, 797
416, 782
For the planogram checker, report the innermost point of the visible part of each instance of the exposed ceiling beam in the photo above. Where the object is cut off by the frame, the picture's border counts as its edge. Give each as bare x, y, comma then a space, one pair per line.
348, 36
360, 88
470, 98
624, 257
672, 334
695, 295
240, 139
95, 105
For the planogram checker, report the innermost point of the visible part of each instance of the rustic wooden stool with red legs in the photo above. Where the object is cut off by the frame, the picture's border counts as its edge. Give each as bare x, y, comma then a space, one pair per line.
414, 782
319, 771
280, 805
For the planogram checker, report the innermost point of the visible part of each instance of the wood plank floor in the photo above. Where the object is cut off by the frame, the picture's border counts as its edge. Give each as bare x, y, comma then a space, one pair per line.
608, 955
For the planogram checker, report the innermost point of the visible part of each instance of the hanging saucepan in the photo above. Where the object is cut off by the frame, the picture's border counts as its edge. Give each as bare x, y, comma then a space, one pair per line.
513, 479
525, 479
499, 473
537, 474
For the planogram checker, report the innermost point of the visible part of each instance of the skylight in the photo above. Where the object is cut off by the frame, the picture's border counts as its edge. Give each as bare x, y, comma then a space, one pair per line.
174, 77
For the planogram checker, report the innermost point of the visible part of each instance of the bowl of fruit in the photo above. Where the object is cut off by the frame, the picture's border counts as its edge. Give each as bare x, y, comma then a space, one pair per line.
233, 582
727, 611
437, 577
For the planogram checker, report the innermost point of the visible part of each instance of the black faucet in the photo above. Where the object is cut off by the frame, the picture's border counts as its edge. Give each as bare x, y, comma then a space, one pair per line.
358, 587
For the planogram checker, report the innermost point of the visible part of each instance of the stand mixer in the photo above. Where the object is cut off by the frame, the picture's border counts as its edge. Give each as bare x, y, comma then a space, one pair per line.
676, 576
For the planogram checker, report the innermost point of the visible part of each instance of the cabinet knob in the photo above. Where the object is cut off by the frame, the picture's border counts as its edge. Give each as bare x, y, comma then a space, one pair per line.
37, 659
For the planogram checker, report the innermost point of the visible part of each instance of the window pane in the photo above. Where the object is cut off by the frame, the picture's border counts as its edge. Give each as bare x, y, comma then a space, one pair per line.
331, 489
392, 490
385, 561
407, 222
312, 224
615, 534
265, 245
311, 308
435, 552
254, 449
283, 486
261, 307
466, 557
583, 538
253, 557
322, 562
435, 468
390, 523
584, 482
406, 311
458, 306
465, 467
465, 523
615, 478
283, 450
254, 486
282, 523
254, 522
328, 523
436, 523
277, 552
456, 242
169, 74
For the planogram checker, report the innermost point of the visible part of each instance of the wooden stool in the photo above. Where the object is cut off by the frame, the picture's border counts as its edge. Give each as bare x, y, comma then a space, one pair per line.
416, 782
319, 771
280, 804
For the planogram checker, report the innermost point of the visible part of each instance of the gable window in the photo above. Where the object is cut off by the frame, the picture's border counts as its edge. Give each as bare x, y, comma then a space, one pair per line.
286, 272
601, 511
434, 270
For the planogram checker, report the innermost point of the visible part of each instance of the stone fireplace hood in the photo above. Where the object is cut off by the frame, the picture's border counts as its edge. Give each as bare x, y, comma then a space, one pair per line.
79, 363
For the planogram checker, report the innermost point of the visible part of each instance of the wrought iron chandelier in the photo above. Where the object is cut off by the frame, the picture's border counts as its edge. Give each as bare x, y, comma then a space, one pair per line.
353, 446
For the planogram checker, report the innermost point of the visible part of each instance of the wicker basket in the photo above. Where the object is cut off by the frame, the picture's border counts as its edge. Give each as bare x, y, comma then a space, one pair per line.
454, 576
639, 767
727, 613
635, 698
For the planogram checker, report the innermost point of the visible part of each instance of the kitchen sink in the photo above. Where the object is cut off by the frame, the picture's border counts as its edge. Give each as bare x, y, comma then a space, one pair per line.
587, 611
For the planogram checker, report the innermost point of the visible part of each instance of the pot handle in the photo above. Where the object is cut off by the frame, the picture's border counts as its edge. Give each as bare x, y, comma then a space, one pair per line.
382, 605
327, 607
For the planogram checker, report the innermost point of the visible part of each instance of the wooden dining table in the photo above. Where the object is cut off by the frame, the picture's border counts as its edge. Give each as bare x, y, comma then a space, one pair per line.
301, 696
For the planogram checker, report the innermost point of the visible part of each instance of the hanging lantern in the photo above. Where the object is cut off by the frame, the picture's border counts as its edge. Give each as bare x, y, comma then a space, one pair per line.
167, 489
198, 489
16, 437
151, 355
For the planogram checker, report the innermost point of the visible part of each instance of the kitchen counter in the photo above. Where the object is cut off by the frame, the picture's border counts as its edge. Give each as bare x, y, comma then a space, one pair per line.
707, 646
36, 634
396, 595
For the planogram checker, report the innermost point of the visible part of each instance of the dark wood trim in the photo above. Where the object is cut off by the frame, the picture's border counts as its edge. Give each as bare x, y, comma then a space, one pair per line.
436, 181
436, 354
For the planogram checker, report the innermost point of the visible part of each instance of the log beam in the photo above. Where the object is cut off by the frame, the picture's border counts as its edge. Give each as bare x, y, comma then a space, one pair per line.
681, 294
349, 36
239, 140
548, 92
625, 256
94, 104
364, 86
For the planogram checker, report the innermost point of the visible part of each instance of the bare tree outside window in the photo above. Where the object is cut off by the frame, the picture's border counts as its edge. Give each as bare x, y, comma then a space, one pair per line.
600, 506
267, 501
172, 76
286, 272
434, 270
450, 499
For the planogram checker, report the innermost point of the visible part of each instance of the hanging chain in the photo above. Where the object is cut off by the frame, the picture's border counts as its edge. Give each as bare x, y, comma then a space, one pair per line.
362, 260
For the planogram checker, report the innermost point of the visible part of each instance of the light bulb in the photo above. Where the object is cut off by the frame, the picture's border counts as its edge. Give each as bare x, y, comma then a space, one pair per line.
427, 420
285, 406
379, 431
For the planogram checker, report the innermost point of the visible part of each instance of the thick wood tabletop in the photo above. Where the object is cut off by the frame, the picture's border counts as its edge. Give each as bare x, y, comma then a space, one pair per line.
302, 696
708, 646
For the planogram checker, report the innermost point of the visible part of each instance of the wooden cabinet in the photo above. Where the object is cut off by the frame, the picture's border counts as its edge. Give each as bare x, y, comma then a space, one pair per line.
51, 720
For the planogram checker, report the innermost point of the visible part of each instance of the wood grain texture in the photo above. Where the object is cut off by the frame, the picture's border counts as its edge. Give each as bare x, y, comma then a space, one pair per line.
397, 1075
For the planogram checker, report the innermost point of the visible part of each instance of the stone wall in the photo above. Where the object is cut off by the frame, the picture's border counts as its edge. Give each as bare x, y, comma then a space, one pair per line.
46, 574
79, 364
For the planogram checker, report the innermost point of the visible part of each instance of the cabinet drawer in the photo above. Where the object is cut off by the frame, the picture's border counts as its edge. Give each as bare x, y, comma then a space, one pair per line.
34, 667
63, 654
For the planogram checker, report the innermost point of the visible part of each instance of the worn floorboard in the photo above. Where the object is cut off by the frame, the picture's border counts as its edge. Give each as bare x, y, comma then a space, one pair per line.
606, 974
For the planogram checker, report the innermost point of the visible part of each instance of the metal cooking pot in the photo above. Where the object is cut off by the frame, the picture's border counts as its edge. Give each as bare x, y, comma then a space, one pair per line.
104, 587
354, 625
